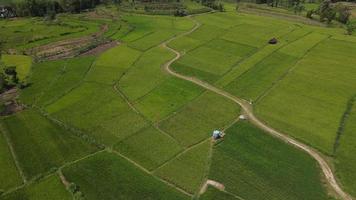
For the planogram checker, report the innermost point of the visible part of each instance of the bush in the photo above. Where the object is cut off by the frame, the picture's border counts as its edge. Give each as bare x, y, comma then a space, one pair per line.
343, 13
350, 27
181, 12
310, 13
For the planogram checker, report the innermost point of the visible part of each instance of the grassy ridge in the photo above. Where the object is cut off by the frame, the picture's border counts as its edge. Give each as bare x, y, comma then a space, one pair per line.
254, 165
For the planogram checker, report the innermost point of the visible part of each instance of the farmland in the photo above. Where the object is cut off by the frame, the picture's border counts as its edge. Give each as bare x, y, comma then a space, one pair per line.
115, 124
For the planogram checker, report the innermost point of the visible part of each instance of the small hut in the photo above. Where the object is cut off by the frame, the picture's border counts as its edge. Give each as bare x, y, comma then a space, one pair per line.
273, 41
217, 134
242, 117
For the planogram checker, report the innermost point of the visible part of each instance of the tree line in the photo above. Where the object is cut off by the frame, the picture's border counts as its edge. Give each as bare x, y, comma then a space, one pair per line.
42, 8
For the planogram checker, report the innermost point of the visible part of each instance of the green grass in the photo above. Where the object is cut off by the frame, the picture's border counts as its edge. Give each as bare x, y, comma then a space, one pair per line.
149, 147
22, 64
166, 98
8, 170
48, 188
254, 165
196, 121
108, 176
34, 138
146, 73
308, 102
188, 169
345, 160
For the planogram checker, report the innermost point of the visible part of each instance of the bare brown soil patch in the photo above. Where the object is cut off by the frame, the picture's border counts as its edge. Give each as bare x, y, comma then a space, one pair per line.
100, 48
67, 48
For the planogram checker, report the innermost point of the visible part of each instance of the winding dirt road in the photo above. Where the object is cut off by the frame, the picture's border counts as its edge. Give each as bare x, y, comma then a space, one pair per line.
248, 111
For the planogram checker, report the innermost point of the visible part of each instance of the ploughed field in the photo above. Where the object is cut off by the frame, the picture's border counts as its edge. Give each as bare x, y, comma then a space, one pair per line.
118, 126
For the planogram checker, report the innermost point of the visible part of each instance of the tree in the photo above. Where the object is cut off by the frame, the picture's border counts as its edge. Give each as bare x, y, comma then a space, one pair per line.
298, 7
310, 13
326, 12
350, 27
343, 13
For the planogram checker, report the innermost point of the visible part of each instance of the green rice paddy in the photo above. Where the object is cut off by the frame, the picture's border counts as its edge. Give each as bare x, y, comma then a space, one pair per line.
154, 129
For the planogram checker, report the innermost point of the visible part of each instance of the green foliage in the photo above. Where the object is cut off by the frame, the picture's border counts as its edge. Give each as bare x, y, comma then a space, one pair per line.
326, 12
350, 27
249, 157
34, 138
110, 177
48, 188
188, 169
343, 13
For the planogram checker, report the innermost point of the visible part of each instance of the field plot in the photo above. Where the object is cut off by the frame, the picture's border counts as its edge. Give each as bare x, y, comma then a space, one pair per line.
152, 30
48, 188
145, 74
43, 75
149, 147
22, 64
70, 75
254, 165
107, 117
188, 169
30, 32
33, 138
167, 97
272, 68
112, 64
110, 177
196, 121
345, 153
8, 170
310, 100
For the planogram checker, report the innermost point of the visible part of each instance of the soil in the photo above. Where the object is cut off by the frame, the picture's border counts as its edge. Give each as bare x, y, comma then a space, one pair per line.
66, 48
100, 48
11, 106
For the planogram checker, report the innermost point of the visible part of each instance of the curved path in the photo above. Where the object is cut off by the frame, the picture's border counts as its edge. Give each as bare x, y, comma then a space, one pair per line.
248, 111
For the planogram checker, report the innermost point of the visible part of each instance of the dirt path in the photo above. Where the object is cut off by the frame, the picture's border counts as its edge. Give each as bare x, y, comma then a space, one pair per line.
248, 111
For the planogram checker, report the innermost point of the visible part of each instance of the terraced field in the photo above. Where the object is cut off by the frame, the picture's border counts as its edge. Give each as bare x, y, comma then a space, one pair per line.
118, 126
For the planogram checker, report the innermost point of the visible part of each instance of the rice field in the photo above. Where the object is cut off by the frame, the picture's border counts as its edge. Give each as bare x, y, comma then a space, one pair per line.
154, 129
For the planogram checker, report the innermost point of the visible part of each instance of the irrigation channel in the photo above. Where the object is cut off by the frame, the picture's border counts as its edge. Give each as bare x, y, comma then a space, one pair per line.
247, 110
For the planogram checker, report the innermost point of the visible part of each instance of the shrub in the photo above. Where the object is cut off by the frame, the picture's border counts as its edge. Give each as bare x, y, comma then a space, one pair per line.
181, 12
350, 27
343, 13
310, 13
